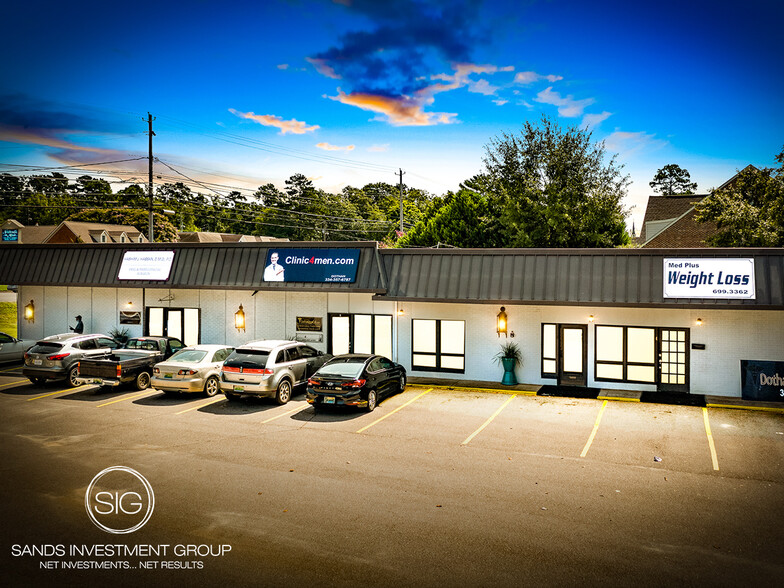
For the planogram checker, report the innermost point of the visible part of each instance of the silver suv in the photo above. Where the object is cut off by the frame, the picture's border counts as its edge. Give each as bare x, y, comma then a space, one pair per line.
269, 368
56, 357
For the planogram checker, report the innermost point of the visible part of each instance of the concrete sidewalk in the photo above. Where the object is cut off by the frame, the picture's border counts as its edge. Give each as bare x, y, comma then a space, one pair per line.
604, 394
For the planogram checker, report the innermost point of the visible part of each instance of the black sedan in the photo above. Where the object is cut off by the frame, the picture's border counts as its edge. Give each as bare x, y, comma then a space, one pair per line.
355, 380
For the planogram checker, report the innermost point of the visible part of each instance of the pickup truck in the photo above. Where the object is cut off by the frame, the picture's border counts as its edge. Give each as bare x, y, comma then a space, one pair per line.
132, 363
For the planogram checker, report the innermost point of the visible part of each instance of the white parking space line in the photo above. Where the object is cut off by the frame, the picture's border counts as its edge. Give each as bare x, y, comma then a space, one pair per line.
488, 421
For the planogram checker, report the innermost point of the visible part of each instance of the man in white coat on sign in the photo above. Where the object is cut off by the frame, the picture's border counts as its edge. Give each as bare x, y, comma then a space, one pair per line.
274, 271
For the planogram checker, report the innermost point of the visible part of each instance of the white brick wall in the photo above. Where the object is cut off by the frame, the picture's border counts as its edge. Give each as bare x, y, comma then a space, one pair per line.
729, 335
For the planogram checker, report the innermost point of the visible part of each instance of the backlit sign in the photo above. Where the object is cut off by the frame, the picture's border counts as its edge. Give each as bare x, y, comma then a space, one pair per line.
729, 278
146, 265
311, 265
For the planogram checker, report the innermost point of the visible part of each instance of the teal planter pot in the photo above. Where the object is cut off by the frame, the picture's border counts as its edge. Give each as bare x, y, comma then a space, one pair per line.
509, 378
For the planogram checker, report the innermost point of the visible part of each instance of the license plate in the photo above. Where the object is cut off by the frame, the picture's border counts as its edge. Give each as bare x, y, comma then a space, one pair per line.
169, 376
329, 400
97, 381
38, 361
239, 388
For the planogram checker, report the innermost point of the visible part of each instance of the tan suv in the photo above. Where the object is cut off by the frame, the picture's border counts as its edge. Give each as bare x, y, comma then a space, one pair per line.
269, 368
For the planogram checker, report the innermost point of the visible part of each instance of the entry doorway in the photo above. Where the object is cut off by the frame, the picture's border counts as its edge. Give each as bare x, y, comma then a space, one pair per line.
673, 360
572, 355
182, 323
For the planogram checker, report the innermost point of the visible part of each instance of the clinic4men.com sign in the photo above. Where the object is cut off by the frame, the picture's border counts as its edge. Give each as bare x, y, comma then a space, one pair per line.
311, 265
711, 277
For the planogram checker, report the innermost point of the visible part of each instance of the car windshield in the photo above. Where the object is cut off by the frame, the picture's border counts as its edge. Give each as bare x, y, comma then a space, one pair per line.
46, 347
142, 344
343, 369
188, 355
248, 357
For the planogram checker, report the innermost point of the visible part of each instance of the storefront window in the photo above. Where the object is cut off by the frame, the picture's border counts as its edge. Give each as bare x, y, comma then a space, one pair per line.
438, 345
626, 354
360, 333
549, 351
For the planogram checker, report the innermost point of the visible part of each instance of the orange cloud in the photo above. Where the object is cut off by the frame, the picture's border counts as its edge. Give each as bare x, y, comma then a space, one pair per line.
328, 147
14, 134
323, 68
270, 120
400, 111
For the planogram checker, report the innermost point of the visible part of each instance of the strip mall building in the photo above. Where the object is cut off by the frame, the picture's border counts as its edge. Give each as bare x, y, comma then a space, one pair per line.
707, 321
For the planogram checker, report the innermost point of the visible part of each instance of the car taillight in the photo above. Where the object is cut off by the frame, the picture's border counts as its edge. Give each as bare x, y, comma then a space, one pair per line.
156, 370
58, 357
263, 372
186, 372
26, 355
312, 382
355, 384
78, 368
119, 370
230, 370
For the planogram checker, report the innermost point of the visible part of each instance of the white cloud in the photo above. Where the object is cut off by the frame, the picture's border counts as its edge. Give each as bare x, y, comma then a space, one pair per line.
328, 147
592, 120
482, 87
567, 106
379, 148
626, 143
529, 77
501, 101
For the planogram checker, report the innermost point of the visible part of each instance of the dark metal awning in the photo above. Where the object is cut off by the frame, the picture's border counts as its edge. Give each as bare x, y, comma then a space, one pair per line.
596, 277
231, 266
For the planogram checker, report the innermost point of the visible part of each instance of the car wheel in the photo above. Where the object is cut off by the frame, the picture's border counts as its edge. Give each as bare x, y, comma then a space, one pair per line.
231, 397
73, 373
372, 401
211, 386
142, 381
402, 383
283, 395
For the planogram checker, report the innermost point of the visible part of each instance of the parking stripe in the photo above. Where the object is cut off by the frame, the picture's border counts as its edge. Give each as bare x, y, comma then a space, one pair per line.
52, 393
488, 421
13, 383
366, 427
293, 410
210, 401
126, 398
714, 457
595, 428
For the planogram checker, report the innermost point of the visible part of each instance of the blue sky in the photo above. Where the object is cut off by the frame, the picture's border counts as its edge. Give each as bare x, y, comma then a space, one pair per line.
347, 92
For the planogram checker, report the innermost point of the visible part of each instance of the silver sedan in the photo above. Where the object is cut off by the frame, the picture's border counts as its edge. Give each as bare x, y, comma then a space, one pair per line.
191, 369
13, 349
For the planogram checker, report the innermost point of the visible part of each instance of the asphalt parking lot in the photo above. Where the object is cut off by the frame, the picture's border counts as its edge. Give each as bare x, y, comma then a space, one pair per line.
435, 487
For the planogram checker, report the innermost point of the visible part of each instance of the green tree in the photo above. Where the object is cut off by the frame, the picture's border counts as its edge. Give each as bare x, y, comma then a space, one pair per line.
164, 229
672, 179
749, 212
551, 187
461, 221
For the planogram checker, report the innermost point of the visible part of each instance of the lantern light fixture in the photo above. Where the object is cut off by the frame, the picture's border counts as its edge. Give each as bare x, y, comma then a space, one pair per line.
501, 322
591, 318
699, 322
239, 320
29, 312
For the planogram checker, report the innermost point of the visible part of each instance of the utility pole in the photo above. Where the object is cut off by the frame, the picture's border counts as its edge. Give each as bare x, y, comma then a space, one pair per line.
401, 199
149, 181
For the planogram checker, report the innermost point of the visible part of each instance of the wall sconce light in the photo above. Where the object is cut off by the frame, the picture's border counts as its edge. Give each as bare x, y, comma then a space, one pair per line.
699, 322
501, 322
591, 318
400, 312
29, 312
239, 320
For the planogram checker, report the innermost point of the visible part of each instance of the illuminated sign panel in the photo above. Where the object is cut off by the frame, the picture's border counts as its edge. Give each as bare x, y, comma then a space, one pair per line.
146, 265
729, 278
311, 265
